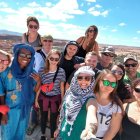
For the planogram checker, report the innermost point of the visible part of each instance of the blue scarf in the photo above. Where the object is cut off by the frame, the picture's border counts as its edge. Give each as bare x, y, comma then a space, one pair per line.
23, 75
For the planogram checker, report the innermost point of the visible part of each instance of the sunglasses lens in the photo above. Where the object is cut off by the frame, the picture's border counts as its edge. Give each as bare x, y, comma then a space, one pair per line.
113, 84
33, 26
47, 40
25, 56
132, 65
54, 59
86, 78
106, 83
117, 72
137, 90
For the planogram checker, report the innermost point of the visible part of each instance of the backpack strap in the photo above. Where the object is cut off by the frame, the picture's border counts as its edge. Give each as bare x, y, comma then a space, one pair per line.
55, 74
42, 54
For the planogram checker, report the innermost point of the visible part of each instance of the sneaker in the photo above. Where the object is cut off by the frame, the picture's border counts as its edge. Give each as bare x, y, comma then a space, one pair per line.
43, 138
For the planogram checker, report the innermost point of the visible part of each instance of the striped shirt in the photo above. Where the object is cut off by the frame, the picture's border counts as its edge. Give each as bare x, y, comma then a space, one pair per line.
47, 78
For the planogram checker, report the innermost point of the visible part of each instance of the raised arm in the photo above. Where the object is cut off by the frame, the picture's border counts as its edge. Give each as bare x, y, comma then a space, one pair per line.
115, 125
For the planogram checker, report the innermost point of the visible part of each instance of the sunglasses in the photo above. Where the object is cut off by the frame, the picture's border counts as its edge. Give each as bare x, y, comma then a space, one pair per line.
5, 62
91, 31
47, 40
54, 59
23, 55
33, 26
107, 54
137, 90
117, 72
86, 78
130, 65
108, 83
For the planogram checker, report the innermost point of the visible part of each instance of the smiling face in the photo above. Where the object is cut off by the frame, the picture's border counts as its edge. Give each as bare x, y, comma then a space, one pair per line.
33, 27
136, 92
54, 59
117, 71
84, 80
4, 62
71, 50
107, 88
24, 58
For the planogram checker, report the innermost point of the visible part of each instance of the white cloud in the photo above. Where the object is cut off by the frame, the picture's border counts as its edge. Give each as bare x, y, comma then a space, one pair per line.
122, 24
105, 13
33, 4
3, 4
48, 4
138, 32
91, 0
114, 30
98, 6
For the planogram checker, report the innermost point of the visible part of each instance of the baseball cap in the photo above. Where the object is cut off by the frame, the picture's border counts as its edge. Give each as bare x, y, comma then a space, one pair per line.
109, 49
130, 57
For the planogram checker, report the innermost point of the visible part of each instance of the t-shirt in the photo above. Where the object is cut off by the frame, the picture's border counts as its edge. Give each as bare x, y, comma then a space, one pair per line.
104, 116
47, 78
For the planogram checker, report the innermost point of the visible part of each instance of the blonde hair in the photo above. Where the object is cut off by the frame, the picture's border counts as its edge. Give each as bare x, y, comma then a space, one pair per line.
53, 51
6, 54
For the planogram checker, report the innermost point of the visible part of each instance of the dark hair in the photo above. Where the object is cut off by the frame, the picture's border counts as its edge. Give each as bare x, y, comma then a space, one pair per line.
47, 66
113, 96
92, 26
71, 43
30, 18
135, 83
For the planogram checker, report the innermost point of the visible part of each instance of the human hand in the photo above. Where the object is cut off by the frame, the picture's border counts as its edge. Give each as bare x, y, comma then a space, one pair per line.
36, 77
87, 135
56, 133
37, 104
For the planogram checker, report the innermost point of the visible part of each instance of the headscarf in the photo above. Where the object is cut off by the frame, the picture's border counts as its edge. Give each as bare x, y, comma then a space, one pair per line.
23, 75
76, 96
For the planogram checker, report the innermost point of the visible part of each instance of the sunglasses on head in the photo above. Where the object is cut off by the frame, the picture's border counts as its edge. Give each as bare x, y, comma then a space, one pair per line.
137, 90
23, 55
108, 54
108, 83
117, 72
5, 62
33, 26
130, 65
47, 40
86, 78
54, 59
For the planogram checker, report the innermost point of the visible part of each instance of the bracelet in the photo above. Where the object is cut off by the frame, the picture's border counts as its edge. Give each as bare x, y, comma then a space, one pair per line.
93, 127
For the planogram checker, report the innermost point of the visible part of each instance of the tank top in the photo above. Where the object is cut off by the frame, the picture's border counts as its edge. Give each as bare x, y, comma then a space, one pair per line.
131, 131
36, 43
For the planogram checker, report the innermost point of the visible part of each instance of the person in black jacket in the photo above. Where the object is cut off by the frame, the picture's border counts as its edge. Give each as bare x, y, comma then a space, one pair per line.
69, 61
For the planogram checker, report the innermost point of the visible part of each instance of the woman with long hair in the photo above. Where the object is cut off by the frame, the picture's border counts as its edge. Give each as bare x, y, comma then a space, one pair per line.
88, 42
32, 36
109, 106
51, 92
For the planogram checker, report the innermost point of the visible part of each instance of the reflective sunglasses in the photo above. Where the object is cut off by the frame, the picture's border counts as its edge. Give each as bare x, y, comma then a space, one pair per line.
54, 59
91, 31
23, 55
108, 83
47, 40
108, 54
130, 65
33, 26
117, 72
137, 90
86, 78
5, 62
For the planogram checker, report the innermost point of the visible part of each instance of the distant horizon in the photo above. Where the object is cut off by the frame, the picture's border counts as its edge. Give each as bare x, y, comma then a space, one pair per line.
117, 21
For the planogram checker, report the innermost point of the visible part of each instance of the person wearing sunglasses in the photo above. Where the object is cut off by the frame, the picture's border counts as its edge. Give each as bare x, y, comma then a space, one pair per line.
131, 119
131, 67
69, 61
109, 106
51, 91
88, 42
41, 54
32, 37
107, 57
19, 84
122, 91
78, 111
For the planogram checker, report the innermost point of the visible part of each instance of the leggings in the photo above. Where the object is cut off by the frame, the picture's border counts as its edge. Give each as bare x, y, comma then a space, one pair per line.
44, 119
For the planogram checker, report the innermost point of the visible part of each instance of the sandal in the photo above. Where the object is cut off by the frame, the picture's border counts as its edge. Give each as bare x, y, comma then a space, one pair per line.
30, 130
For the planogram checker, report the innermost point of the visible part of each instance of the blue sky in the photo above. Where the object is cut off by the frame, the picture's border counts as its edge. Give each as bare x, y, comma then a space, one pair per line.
118, 21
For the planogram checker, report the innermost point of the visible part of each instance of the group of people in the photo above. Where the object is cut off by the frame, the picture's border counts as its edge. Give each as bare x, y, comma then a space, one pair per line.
80, 91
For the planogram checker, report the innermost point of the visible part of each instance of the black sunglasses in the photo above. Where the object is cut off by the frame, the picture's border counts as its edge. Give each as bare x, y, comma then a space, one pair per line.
54, 59
86, 78
5, 62
33, 26
108, 54
23, 55
130, 65
47, 40
137, 90
117, 72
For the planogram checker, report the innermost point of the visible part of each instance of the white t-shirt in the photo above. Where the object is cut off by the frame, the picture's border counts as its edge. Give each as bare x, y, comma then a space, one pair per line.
104, 116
